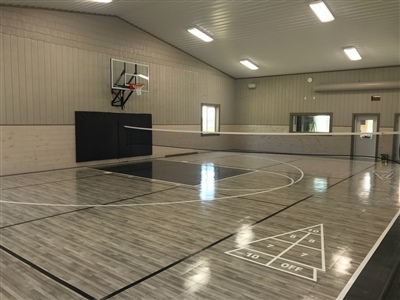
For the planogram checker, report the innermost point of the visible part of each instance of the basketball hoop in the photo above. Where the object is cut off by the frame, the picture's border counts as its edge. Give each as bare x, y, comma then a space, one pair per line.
137, 87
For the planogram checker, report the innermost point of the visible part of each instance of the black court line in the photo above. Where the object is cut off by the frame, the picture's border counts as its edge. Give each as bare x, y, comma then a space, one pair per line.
220, 240
43, 218
160, 270
255, 200
180, 154
85, 208
56, 181
48, 274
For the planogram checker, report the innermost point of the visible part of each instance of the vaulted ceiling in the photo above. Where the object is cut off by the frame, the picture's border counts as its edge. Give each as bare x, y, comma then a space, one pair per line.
280, 36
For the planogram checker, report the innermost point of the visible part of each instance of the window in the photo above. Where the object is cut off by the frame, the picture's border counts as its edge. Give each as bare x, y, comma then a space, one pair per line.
209, 118
310, 122
366, 126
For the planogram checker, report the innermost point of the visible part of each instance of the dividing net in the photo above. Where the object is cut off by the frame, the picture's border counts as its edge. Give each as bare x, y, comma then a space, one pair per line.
341, 144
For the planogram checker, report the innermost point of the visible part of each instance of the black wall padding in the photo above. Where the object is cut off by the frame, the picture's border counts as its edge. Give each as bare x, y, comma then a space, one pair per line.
134, 142
102, 135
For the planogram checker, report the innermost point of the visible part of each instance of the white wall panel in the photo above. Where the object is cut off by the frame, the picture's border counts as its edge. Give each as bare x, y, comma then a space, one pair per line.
14, 84
276, 97
65, 56
6, 94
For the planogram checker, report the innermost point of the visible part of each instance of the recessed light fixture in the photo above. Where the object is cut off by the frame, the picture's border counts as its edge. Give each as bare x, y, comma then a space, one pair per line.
248, 64
352, 53
322, 11
200, 34
102, 1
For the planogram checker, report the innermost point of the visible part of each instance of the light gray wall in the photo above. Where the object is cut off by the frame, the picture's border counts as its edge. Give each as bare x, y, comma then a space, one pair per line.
278, 96
54, 63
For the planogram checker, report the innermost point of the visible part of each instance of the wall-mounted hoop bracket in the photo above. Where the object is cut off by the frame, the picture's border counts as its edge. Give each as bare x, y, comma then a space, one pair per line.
119, 98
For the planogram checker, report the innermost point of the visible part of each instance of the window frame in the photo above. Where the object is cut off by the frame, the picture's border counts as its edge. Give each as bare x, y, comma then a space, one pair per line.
217, 119
311, 114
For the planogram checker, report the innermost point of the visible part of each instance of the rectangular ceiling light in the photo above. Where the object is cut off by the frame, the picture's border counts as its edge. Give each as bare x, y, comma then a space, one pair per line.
322, 11
249, 64
102, 1
200, 34
352, 53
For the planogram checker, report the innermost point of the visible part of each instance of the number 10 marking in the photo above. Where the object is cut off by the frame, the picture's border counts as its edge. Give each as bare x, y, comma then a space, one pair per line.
252, 255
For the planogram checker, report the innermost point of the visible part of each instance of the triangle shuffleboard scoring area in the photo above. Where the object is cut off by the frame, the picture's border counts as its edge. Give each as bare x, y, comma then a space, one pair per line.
300, 252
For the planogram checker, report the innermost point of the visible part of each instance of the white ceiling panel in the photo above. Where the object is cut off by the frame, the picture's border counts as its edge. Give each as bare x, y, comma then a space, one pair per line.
281, 36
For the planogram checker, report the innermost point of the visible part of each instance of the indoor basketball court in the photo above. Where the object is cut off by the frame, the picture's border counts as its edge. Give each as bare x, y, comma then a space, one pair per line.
212, 225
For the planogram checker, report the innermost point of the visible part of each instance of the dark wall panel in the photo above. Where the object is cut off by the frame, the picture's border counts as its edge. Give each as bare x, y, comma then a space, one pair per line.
102, 135
147, 137
133, 142
95, 136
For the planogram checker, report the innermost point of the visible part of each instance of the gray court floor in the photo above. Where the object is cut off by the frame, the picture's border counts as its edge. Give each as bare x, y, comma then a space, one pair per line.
203, 226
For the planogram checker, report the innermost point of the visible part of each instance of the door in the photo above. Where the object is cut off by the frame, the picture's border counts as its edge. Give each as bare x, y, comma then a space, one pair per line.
365, 144
396, 138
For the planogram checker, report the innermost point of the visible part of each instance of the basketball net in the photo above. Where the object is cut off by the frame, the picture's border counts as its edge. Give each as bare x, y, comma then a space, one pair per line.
137, 87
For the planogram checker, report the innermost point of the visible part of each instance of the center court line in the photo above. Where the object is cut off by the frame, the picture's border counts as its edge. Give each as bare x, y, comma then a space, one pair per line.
366, 259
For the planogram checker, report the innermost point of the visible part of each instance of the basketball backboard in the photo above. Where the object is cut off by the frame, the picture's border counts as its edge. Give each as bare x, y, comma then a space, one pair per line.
124, 73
